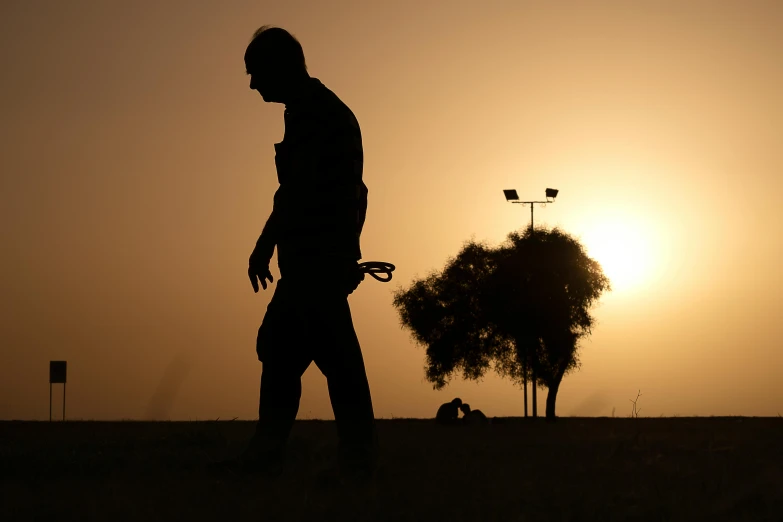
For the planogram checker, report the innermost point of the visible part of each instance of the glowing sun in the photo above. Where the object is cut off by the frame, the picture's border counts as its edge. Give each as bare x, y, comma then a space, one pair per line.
624, 251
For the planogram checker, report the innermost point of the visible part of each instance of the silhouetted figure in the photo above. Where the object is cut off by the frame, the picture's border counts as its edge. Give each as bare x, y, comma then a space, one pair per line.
448, 413
472, 416
316, 221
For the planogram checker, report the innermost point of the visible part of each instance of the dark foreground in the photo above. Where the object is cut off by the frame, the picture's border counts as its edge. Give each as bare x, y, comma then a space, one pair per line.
575, 469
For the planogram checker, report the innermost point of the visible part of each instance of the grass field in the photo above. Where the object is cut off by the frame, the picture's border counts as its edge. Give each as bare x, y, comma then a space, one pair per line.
577, 469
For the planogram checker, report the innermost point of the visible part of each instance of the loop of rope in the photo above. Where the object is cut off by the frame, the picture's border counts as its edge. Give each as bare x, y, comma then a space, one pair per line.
377, 267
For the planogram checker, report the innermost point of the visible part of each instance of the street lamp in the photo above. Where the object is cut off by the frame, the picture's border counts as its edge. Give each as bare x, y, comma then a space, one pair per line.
511, 195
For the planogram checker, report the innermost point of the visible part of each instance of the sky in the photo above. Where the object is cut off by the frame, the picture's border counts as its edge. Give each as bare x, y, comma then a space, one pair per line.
137, 170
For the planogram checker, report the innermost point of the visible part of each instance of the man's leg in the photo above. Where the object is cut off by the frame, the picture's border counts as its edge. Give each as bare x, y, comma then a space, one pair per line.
281, 389
339, 357
283, 351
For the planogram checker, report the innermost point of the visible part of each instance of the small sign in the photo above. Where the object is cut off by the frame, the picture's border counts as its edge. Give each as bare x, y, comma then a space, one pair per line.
57, 371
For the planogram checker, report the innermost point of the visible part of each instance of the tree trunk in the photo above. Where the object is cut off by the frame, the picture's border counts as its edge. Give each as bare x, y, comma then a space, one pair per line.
551, 397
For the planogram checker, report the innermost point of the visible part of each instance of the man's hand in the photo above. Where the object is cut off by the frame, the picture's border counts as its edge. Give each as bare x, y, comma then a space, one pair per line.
350, 276
258, 270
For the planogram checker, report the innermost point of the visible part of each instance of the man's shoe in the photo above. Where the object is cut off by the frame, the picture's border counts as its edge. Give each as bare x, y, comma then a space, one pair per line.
253, 460
358, 464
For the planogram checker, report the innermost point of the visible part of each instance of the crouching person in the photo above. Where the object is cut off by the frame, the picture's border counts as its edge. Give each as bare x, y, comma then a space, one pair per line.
448, 413
472, 416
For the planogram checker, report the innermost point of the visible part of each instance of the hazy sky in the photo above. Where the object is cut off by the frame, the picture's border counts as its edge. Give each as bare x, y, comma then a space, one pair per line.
137, 170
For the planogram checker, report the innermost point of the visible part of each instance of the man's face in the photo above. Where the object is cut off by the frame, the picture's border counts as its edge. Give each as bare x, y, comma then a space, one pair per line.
264, 80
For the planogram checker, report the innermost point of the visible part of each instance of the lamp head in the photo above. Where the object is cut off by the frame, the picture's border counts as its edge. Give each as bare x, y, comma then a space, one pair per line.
511, 195
551, 193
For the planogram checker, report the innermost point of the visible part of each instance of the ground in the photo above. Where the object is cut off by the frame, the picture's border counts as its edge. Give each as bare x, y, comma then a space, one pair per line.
579, 469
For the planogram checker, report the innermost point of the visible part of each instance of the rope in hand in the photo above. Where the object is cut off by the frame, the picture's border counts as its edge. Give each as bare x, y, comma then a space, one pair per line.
377, 267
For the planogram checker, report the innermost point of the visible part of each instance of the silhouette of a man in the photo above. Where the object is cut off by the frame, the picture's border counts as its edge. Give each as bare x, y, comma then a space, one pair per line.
316, 221
448, 412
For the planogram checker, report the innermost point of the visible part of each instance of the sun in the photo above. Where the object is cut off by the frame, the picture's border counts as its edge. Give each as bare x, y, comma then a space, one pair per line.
624, 250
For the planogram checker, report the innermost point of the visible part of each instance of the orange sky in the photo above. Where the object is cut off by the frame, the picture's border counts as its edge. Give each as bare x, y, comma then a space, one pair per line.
137, 170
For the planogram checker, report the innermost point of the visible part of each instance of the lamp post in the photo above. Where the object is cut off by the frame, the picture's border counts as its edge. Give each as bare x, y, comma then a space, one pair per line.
511, 196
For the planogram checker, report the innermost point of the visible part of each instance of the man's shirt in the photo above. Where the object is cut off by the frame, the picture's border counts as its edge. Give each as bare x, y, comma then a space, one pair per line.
320, 206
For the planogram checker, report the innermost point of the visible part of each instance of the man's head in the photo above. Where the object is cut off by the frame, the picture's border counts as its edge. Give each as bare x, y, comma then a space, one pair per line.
457, 402
275, 61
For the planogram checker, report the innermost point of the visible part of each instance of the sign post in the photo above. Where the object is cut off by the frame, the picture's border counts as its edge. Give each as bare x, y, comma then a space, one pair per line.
57, 375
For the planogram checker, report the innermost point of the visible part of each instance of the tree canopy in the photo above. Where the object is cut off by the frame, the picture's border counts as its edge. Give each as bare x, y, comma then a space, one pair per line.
520, 309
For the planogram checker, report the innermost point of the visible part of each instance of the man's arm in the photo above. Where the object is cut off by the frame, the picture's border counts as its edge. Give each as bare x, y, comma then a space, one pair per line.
258, 265
268, 238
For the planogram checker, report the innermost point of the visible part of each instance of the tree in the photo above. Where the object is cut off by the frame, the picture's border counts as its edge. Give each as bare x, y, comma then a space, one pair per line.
519, 309
445, 312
